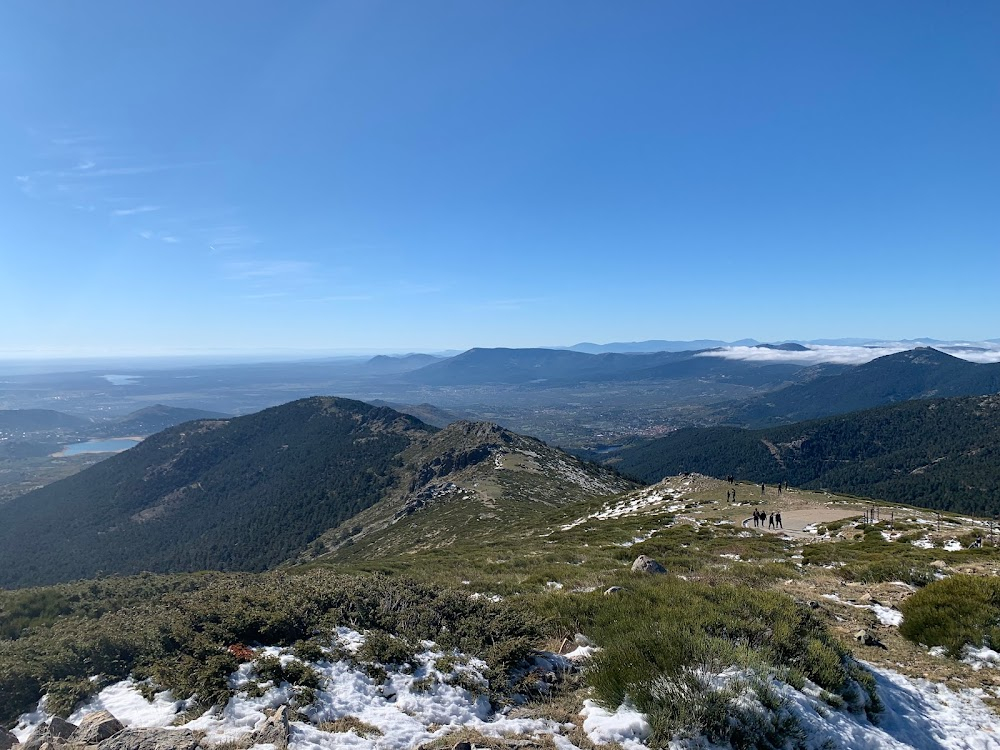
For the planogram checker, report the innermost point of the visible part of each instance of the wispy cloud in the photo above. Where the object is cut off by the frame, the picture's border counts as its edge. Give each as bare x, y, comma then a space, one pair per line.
249, 270
146, 234
230, 237
170, 239
133, 211
344, 298
516, 303
264, 295
93, 171
410, 287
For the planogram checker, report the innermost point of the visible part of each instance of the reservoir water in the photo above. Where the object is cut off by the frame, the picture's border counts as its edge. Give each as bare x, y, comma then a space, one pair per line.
114, 445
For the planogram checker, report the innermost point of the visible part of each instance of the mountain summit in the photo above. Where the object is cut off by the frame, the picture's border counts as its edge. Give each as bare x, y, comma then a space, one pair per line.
251, 492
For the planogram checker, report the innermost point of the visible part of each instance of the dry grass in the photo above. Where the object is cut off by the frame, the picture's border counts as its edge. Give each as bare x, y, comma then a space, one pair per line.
351, 724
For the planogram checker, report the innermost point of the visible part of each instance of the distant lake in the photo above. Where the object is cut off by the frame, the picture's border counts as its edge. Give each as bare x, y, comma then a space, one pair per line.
122, 379
115, 445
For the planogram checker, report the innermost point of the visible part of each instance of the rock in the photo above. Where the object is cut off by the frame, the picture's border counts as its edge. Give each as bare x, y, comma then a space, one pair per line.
463, 745
95, 728
867, 639
612, 590
54, 734
274, 730
137, 738
60, 728
581, 640
939, 564
645, 564
813, 605
7, 740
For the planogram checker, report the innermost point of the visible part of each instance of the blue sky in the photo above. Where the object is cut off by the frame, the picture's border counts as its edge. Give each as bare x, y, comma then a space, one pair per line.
240, 176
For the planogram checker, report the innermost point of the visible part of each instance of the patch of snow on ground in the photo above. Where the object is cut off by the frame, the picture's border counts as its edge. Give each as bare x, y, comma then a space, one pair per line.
555, 585
918, 715
952, 545
582, 652
887, 615
626, 726
637, 539
28, 722
923, 543
977, 658
126, 703
491, 597
629, 506
730, 556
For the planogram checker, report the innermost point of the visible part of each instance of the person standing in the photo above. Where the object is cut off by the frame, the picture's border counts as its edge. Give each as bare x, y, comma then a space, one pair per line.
777, 520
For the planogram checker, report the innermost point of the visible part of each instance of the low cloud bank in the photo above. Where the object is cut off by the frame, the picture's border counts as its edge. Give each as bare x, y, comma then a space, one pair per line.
853, 355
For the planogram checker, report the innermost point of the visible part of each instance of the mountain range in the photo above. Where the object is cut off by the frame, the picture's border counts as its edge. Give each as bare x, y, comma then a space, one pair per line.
251, 492
918, 373
555, 367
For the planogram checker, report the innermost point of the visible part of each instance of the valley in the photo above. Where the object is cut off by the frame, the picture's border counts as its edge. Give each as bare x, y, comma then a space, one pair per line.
338, 573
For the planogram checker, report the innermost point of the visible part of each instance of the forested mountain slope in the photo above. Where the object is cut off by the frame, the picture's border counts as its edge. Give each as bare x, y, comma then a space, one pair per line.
237, 494
938, 453
293, 481
918, 373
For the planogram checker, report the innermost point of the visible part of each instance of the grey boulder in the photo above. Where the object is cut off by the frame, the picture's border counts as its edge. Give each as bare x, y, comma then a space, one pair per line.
274, 730
55, 733
136, 738
96, 728
7, 740
645, 564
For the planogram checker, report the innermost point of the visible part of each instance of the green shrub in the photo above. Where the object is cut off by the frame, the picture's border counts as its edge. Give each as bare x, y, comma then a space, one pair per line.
176, 631
662, 634
384, 648
954, 612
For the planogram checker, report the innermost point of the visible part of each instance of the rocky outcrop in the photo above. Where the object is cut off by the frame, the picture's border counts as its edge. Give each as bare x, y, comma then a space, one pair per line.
95, 728
7, 740
645, 564
135, 738
448, 462
53, 734
275, 730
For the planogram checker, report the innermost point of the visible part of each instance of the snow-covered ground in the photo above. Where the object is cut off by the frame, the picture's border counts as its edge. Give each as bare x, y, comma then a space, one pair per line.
886, 615
428, 703
977, 658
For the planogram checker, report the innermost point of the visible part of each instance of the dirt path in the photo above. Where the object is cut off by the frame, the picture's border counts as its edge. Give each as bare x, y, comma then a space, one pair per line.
795, 520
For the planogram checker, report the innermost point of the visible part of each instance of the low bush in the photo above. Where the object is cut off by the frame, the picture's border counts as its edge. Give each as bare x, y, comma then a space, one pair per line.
176, 631
954, 612
664, 636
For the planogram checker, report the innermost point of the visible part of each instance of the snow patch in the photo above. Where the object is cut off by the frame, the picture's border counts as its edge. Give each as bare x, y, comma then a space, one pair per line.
626, 726
126, 703
977, 658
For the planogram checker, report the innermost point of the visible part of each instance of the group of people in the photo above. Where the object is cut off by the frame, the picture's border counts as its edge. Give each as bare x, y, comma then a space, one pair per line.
773, 520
